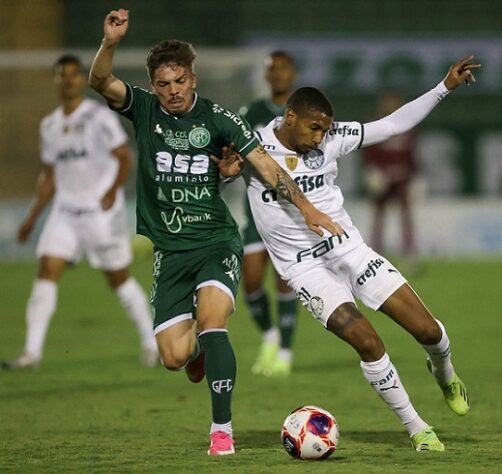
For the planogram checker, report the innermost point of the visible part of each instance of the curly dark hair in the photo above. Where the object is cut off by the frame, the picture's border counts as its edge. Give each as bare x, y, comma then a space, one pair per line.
173, 52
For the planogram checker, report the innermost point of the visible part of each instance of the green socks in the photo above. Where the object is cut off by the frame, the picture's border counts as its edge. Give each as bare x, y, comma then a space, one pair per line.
287, 319
259, 308
220, 369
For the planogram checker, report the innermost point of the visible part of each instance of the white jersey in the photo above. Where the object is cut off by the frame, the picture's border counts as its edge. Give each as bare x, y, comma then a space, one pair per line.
282, 227
79, 147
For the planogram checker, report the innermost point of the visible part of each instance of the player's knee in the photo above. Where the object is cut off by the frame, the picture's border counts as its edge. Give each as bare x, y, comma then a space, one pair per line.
173, 361
370, 347
428, 333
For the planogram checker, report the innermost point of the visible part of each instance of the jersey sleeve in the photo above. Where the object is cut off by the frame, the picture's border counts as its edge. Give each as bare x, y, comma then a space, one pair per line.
343, 138
234, 129
109, 126
47, 151
136, 103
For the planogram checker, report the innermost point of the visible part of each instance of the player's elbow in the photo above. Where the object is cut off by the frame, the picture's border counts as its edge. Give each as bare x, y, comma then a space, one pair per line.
97, 83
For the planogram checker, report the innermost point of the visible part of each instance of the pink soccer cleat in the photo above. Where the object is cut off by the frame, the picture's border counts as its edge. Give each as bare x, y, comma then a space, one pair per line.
221, 444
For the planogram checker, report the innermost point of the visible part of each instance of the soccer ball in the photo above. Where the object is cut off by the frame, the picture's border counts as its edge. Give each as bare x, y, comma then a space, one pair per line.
310, 432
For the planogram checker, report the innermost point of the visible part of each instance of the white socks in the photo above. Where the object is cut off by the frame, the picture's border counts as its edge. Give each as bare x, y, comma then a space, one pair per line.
383, 377
225, 427
39, 311
133, 300
440, 358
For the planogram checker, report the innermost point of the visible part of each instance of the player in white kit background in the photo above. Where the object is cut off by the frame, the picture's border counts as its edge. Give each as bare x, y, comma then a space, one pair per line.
86, 161
328, 272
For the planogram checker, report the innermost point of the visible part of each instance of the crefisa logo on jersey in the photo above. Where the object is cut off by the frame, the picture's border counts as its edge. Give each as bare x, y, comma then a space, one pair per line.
199, 137
314, 159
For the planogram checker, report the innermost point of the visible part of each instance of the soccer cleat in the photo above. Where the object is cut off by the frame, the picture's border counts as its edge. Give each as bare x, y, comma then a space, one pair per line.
280, 368
266, 358
149, 357
221, 444
455, 394
195, 369
24, 361
426, 440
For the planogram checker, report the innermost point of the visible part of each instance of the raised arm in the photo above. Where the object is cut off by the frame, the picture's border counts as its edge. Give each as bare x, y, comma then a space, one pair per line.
101, 78
412, 113
280, 180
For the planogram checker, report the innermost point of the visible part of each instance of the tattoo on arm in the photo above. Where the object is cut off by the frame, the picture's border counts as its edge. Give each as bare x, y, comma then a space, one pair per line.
287, 188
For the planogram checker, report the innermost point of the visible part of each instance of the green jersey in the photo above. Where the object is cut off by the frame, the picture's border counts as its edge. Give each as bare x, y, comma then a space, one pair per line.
260, 112
179, 206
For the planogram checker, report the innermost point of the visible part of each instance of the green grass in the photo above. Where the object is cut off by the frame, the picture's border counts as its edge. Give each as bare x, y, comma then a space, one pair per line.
92, 408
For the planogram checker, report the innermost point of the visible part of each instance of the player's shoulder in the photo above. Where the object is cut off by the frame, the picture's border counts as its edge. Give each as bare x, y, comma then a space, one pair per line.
51, 120
344, 130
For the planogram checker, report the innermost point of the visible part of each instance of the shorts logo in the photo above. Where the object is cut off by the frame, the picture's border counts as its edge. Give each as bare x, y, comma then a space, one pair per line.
314, 159
199, 137
370, 272
291, 162
315, 304
233, 268
224, 385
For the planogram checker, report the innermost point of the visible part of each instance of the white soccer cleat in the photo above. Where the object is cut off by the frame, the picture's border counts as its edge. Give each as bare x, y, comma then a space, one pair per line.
24, 361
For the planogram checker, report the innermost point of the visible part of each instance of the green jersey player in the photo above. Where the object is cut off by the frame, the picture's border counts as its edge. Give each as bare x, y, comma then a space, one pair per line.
275, 355
197, 246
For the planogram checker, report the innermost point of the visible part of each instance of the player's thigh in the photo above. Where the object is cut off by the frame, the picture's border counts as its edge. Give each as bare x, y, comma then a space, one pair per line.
176, 343
60, 237
254, 270
372, 277
406, 308
214, 306
106, 239
173, 288
217, 283
321, 291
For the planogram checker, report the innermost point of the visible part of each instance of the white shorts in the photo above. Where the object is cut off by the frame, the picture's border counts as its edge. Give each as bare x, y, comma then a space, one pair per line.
361, 272
101, 235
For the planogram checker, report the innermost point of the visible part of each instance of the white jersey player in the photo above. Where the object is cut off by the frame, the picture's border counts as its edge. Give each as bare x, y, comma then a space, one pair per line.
328, 272
86, 160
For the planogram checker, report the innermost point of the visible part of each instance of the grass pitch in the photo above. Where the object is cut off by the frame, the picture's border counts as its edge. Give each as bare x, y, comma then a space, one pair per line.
92, 408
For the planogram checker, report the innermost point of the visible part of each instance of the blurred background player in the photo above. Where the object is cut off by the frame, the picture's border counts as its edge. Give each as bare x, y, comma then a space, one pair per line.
86, 161
275, 354
390, 168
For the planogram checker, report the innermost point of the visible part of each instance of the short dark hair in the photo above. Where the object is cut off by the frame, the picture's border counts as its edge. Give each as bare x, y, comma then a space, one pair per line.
279, 53
67, 59
170, 52
308, 99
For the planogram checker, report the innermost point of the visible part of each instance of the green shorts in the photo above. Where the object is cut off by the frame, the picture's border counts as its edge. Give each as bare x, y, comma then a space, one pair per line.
252, 240
178, 275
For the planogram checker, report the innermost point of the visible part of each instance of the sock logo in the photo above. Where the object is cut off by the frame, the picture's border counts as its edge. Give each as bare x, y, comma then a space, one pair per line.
224, 385
378, 383
384, 389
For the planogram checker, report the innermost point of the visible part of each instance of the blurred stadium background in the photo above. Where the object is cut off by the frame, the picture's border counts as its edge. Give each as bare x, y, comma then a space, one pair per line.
351, 50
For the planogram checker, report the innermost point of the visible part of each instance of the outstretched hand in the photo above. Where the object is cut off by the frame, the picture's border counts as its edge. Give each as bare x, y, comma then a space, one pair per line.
460, 72
317, 221
116, 23
230, 163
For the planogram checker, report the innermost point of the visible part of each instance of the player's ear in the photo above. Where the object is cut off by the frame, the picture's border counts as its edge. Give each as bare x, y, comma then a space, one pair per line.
194, 80
290, 117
